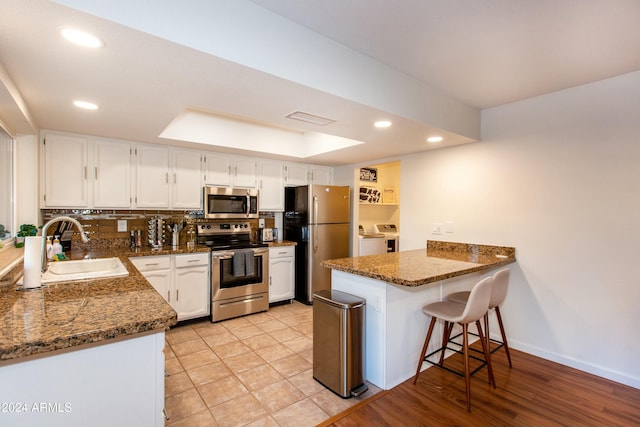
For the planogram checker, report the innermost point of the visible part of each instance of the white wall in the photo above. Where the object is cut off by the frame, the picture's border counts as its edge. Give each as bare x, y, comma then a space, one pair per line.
27, 166
558, 177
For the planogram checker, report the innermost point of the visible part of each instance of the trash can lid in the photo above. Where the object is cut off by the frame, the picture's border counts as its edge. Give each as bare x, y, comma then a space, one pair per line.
338, 298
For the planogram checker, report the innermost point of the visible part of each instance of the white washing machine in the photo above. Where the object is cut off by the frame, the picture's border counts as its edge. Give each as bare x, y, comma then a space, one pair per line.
391, 236
371, 243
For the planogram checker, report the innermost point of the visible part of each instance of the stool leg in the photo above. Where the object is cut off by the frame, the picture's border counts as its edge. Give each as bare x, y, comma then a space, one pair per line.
467, 376
424, 348
487, 355
504, 336
486, 330
446, 334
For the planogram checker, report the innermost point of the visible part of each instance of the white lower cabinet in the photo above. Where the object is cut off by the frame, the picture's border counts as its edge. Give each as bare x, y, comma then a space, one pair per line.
118, 382
182, 280
282, 269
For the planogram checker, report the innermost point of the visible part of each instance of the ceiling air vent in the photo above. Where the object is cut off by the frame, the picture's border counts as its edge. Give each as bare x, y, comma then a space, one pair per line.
309, 118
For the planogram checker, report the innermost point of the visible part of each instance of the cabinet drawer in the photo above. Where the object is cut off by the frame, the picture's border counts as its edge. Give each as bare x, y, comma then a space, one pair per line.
148, 263
192, 260
281, 251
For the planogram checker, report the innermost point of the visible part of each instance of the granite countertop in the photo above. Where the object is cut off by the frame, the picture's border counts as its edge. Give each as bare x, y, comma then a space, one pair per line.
278, 243
66, 314
439, 261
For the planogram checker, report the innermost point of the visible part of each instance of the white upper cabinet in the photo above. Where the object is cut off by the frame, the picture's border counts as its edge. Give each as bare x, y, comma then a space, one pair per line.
245, 172
301, 174
230, 171
296, 174
112, 174
271, 185
321, 175
186, 181
217, 169
90, 172
152, 181
66, 171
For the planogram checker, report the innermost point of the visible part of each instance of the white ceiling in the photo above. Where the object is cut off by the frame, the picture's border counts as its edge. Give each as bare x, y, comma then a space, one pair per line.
427, 65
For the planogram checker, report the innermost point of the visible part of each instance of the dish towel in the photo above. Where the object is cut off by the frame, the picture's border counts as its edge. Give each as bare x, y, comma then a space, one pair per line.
248, 263
243, 262
238, 263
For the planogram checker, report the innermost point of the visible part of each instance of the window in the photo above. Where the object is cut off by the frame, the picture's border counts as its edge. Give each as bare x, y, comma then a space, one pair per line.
6, 187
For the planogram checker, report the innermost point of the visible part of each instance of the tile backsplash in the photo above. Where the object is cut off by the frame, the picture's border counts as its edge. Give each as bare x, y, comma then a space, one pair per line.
102, 225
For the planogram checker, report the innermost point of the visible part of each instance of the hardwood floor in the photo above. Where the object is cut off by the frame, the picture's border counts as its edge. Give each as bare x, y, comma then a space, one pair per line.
535, 392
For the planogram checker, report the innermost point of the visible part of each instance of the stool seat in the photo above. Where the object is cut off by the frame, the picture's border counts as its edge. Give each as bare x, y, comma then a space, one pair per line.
451, 312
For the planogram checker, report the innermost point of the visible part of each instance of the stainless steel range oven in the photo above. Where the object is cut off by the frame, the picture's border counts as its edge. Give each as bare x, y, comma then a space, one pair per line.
239, 269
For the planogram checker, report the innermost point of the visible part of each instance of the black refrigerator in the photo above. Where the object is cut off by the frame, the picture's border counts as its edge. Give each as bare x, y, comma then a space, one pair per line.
317, 218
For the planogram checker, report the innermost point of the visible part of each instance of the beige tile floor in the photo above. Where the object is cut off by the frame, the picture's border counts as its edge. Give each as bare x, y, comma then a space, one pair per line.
254, 370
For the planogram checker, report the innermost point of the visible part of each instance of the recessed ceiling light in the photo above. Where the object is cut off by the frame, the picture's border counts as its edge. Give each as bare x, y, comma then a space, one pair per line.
434, 139
85, 105
81, 38
382, 124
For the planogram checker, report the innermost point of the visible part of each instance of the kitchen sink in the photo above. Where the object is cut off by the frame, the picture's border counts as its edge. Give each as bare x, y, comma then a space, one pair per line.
62, 271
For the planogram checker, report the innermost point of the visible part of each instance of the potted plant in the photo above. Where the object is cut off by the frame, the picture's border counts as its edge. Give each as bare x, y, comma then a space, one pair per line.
25, 230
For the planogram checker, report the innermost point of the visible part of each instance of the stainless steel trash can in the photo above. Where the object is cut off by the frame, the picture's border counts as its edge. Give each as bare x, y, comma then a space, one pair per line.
338, 342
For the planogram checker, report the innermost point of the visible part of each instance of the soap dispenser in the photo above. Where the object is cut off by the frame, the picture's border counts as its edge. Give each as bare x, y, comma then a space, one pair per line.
49, 248
56, 248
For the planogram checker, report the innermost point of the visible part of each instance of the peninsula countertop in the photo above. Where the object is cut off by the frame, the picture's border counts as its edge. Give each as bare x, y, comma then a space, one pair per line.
438, 261
67, 314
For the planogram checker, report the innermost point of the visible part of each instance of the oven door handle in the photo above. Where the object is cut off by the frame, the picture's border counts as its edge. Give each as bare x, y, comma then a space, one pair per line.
230, 254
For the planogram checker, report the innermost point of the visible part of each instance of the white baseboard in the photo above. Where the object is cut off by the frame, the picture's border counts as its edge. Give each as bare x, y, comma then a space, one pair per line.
600, 371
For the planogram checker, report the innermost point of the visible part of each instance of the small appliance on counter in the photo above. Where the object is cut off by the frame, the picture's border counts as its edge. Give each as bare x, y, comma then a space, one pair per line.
267, 234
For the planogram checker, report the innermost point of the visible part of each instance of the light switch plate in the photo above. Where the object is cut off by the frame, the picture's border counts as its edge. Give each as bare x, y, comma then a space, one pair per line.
448, 227
436, 228
122, 225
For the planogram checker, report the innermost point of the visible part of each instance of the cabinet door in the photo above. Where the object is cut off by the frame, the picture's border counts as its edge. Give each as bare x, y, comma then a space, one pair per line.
112, 174
65, 171
296, 174
187, 180
271, 186
152, 181
192, 292
281, 274
217, 169
245, 173
321, 175
161, 282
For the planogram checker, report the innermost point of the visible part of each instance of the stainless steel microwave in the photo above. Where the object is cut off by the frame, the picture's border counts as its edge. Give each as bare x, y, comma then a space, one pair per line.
230, 203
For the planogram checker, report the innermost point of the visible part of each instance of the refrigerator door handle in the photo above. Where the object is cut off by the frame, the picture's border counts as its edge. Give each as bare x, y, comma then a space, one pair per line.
315, 238
315, 209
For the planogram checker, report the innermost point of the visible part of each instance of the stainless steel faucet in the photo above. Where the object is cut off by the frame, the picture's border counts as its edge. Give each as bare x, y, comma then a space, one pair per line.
44, 236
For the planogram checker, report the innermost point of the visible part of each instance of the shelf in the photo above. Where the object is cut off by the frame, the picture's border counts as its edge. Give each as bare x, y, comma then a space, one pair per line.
378, 204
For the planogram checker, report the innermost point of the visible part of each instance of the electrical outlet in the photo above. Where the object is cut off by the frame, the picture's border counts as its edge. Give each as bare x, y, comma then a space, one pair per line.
436, 228
261, 223
122, 225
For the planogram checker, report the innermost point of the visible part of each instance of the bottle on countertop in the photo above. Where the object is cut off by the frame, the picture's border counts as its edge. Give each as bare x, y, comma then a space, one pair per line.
49, 249
56, 248
139, 239
132, 239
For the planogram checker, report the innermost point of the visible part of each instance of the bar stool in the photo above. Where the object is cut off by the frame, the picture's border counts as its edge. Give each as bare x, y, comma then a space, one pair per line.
498, 295
453, 312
